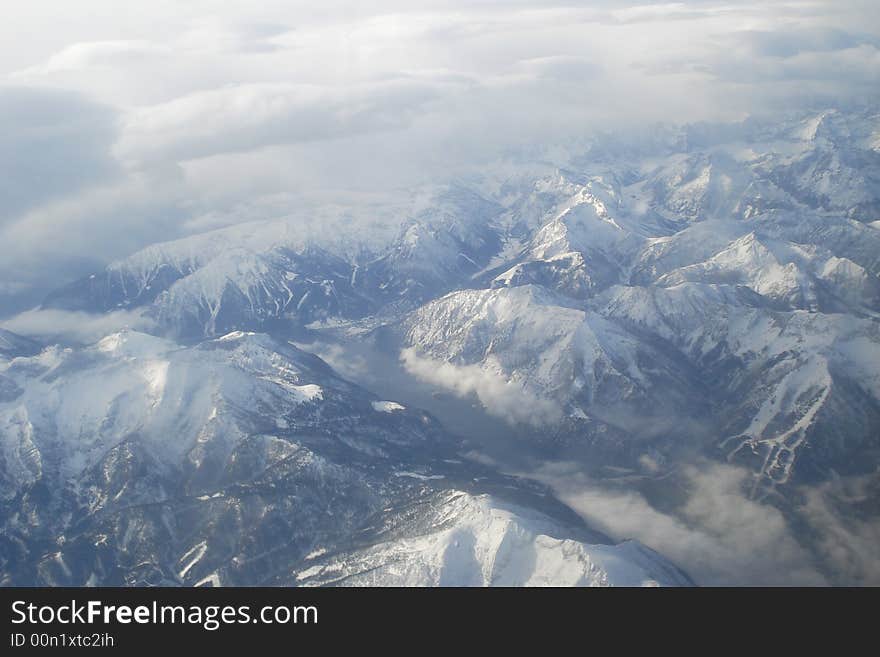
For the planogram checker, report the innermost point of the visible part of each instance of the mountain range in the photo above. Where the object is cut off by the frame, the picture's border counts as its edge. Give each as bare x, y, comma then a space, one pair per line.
632, 304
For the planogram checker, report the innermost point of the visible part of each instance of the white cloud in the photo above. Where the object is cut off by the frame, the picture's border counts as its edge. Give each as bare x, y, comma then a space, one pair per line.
504, 399
707, 522
75, 327
720, 535
95, 54
53, 143
294, 96
847, 541
247, 117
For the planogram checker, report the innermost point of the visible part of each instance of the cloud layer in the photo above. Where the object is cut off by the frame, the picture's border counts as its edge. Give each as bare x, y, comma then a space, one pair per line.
504, 399
124, 121
723, 537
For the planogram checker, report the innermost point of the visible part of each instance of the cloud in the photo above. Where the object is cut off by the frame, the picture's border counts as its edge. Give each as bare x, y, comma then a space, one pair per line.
665, 11
720, 535
75, 327
792, 42
562, 68
351, 366
847, 541
51, 244
244, 38
208, 111
53, 143
507, 400
704, 519
95, 54
247, 117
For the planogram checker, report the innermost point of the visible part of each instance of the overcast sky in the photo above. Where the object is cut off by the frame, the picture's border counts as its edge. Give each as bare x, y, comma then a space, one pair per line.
123, 123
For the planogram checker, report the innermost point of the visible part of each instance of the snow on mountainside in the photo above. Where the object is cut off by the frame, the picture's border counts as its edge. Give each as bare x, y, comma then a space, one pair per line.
237, 461
780, 381
628, 303
692, 187
652, 321
790, 274
250, 276
839, 170
75, 406
565, 360
598, 220
468, 540
529, 355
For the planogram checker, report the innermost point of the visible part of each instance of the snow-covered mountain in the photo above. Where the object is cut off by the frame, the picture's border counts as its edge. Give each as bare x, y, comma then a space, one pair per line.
754, 328
466, 540
628, 303
243, 460
257, 275
564, 359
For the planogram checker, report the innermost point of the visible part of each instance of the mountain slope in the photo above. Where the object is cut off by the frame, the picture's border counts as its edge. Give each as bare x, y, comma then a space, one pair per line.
243, 460
635, 305
293, 272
